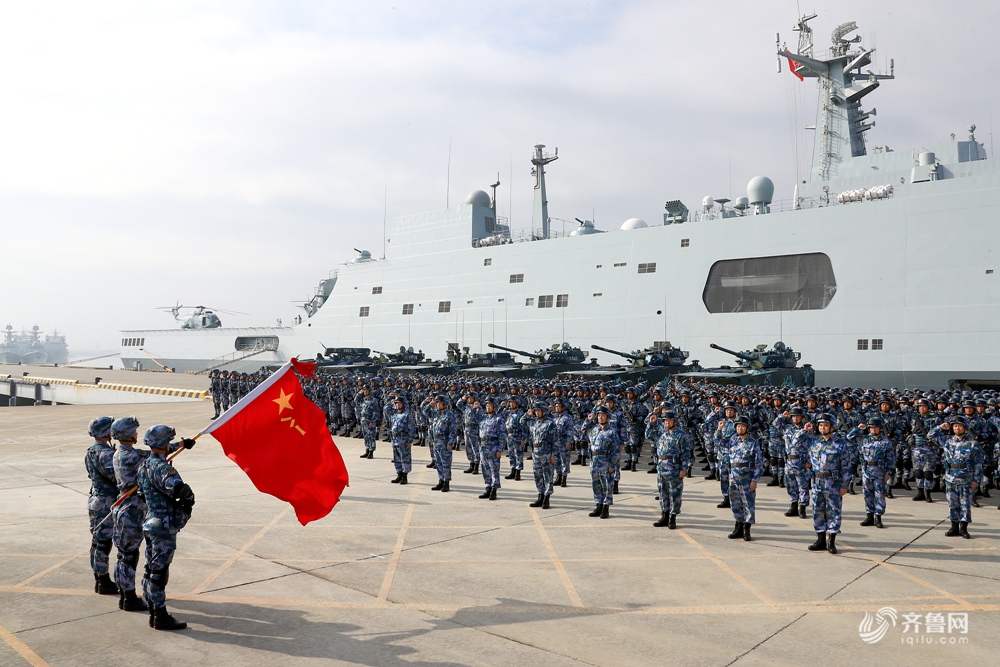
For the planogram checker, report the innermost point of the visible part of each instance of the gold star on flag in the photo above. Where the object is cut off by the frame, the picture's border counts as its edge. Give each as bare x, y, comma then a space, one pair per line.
284, 401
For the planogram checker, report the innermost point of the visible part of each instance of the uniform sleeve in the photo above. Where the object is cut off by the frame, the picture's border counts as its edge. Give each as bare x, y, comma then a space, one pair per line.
687, 451
758, 463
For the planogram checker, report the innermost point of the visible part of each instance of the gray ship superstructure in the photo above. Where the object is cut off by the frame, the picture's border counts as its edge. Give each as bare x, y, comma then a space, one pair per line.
880, 272
29, 347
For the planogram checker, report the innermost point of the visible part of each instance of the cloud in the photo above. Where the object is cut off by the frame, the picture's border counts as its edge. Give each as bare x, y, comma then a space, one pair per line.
233, 153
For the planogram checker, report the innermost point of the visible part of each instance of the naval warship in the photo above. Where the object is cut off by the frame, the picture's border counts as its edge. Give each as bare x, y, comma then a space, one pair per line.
29, 347
880, 271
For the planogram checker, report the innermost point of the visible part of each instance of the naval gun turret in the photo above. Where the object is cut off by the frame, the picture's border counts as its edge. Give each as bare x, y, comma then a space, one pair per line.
780, 356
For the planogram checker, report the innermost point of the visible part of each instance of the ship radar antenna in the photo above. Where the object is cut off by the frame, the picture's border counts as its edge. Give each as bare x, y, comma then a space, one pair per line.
494, 188
540, 210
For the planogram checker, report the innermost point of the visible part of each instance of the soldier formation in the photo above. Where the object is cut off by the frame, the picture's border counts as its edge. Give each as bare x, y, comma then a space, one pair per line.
817, 444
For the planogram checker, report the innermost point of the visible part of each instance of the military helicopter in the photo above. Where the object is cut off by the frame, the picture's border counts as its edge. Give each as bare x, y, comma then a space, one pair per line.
200, 317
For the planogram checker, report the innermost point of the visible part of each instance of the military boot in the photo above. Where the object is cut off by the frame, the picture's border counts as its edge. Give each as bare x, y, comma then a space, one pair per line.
430, 465
927, 496
919, 496
819, 544
129, 601
399, 476
774, 480
781, 480
985, 488
878, 521
711, 476
831, 543
888, 493
953, 531
557, 481
161, 620
470, 469
614, 489
447, 486
897, 481
402, 478
364, 455
850, 488
604, 511
597, 510
513, 473
486, 494
963, 530
673, 522
652, 471
869, 520
493, 494
725, 503
664, 520
517, 475
538, 501
793, 509
104, 586
746, 532
438, 486
802, 510
545, 502
737, 531
906, 483
475, 468
369, 455
562, 482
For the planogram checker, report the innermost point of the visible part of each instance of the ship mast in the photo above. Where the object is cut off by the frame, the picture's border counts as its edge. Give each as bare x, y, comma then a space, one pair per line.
540, 210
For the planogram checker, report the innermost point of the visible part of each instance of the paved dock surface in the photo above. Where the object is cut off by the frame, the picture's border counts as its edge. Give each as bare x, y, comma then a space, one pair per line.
400, 576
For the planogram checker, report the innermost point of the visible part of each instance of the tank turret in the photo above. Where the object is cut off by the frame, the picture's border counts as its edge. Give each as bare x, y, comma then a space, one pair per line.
780, 356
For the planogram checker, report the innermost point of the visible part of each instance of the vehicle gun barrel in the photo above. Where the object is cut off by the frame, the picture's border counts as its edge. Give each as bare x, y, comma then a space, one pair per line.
738, 355
633, 357
531, 355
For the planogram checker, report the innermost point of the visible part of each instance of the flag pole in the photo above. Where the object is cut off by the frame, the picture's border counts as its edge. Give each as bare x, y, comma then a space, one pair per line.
128, 494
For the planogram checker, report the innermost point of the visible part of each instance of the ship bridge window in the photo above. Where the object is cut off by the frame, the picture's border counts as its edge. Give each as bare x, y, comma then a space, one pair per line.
142, 341
862, 343
647, 268
377, 290
517, 277
876, 343
488, 261
364, 311
407, 308
763, 284
562, 300
530, 301
545, 301
685, 243
444, 306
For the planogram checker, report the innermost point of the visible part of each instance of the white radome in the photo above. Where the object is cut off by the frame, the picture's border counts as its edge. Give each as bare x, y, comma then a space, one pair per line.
479, 198
633, 223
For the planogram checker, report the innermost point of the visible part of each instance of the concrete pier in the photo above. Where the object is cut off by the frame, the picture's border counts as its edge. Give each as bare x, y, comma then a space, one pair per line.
406, 576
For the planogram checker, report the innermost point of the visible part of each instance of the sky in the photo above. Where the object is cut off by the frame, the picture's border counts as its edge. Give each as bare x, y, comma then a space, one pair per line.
232, 154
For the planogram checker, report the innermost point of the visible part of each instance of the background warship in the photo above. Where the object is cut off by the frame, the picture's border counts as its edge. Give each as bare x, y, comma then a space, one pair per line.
880, 270
29, 347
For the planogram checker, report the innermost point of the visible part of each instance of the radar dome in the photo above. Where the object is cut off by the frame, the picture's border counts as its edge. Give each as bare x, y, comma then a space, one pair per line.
634, 223
478, 198
760, 190
708, 203
742, 203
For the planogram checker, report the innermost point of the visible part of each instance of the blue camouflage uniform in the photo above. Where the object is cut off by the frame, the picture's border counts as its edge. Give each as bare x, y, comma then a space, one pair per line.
831, 472
492, 442
565, 436
725, 431
160, 485
402, 431
746, 464
443, 431
471, 417
877, 459
963, 464
99, 461
674, 454
543, 452
605, 445
370, 413
516, 436
795, 453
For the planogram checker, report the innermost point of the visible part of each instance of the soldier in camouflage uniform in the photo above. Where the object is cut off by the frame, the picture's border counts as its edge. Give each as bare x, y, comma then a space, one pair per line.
103, 493
472, 414
130, 514
674, 455
169, 502
216, 388
830, 463
605, 445
370, 413
516, 437
543, 453
746, 464
443, 431
725, 431
877, 459
403, 431
963, 468
492, 441
795, 453
565, 437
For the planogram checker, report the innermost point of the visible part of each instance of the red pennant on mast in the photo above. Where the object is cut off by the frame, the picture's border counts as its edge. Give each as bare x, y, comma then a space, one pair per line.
280, 440
795, 67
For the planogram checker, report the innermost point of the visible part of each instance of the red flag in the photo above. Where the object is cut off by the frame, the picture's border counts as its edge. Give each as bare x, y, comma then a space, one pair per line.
794, 66
280, 440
